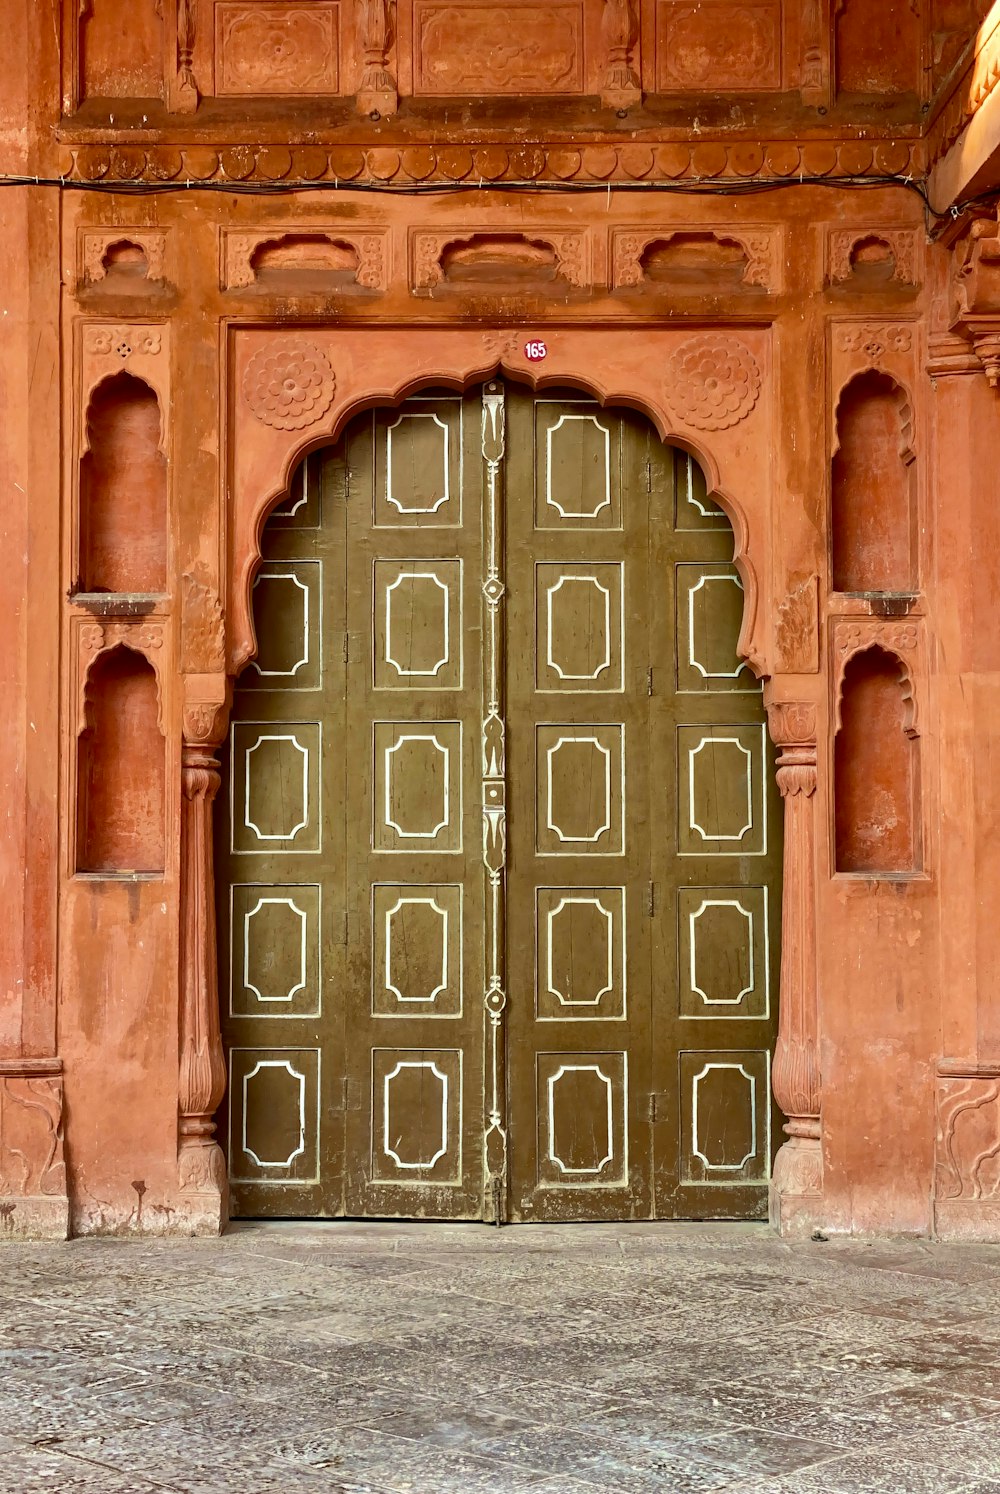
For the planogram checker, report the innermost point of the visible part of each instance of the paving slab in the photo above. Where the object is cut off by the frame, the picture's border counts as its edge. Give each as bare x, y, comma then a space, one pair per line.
360, 1358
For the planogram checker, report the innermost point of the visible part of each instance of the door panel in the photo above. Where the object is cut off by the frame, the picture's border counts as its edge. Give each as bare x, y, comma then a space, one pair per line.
500, 868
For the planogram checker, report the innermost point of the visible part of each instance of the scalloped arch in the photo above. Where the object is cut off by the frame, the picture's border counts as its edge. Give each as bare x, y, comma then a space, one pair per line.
640, 397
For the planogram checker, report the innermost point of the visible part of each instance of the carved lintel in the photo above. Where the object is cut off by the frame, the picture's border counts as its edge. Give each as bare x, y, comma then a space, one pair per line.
620, 25
377, 93
202, 1074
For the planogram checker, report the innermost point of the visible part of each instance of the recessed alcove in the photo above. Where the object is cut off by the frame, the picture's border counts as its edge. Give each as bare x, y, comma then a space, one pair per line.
877, 46
123, 491
121, 771
114, 65
125, 260
876, 769
873, 499
698, 260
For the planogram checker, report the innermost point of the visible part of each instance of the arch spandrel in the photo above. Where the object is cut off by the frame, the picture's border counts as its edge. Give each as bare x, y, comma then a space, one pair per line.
293, 391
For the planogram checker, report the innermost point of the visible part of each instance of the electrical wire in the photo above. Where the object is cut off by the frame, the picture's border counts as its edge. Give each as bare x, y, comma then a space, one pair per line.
702, 187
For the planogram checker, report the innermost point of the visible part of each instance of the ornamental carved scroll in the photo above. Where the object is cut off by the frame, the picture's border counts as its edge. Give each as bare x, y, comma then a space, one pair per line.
31, 1136
968, 1138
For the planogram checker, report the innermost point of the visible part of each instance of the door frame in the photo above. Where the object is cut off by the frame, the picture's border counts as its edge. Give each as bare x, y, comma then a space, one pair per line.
290, 390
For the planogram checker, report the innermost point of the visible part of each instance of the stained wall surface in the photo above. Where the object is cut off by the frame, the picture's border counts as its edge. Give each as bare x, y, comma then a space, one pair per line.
817, 345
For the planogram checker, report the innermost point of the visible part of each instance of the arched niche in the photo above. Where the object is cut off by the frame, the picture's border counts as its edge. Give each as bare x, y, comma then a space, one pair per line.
873, 521
876, 768
123, 490
121, 768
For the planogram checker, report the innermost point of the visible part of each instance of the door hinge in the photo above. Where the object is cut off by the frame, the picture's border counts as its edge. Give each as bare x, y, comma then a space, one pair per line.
650, 899
340, 925
649, 680
347, 648
649, 476
656, 1108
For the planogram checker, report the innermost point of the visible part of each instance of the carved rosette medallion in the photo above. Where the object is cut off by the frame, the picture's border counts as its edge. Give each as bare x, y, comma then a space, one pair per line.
289, 386
713, 382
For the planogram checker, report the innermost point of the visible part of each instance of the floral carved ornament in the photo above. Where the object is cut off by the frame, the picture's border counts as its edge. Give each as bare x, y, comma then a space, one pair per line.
289, 386
713, 382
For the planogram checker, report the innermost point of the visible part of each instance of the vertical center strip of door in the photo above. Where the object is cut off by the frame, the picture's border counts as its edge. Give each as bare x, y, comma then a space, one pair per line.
494, 811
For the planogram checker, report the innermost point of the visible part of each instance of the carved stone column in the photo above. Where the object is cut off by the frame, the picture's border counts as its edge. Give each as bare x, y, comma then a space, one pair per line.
202, 1078
797, 1184
182, 90
377, 94
620, 24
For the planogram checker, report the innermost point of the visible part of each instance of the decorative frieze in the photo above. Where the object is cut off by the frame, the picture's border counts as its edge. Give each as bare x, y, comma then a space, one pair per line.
458, 161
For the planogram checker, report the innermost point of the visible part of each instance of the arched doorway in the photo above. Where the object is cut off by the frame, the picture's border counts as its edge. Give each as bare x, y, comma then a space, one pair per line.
499, 880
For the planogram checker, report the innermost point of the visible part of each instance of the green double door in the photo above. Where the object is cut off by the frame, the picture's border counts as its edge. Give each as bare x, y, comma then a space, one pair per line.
499, 863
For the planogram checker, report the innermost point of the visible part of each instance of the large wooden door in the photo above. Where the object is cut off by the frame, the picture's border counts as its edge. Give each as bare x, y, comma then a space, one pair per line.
500, 865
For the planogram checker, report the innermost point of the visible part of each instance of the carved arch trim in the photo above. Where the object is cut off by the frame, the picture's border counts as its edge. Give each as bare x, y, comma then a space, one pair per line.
344, 372
904, 409
98, 640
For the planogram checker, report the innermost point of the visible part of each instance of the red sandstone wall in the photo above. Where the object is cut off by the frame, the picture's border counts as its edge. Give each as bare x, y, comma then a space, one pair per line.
906, 968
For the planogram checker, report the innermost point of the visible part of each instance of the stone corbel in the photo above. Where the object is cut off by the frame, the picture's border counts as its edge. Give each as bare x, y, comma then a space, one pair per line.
202, 1075
976, 287
33, 1199
796, 1199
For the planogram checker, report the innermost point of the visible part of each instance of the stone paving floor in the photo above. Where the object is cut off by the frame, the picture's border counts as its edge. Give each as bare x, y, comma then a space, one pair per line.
458, 1359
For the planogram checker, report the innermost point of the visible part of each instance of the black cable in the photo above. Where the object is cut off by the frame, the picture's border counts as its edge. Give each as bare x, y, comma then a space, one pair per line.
702, 187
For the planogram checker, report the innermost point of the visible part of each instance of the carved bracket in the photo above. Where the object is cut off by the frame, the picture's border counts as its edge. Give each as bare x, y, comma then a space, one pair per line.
796, 629
96, 638
760, 246
905, 640
203, 630
368, 250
